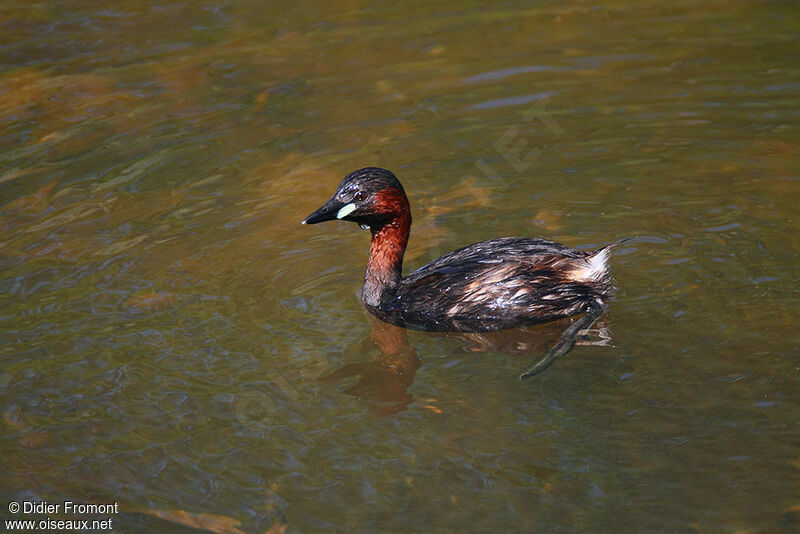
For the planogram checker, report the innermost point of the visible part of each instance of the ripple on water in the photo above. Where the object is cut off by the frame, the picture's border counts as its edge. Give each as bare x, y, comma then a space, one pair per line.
500, 74
512, 100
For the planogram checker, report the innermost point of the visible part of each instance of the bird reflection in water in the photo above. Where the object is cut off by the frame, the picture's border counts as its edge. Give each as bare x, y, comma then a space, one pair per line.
388, 377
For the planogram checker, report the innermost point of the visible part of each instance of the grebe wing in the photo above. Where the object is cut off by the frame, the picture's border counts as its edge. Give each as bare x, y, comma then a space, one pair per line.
503, 276
488, 254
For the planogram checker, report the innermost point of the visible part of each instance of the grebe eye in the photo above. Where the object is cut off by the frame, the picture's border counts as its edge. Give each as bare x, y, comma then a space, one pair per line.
360, 196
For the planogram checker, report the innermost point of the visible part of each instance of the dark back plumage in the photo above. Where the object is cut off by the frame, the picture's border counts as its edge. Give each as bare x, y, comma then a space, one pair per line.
495, 284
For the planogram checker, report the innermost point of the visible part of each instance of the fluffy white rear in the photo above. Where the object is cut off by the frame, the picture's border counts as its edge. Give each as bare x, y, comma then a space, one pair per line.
593, 268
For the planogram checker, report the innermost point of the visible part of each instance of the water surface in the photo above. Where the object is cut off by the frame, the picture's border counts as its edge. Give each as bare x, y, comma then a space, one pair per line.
172, 339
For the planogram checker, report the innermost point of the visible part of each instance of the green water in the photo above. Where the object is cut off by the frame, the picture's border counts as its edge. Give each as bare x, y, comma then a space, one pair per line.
171, 338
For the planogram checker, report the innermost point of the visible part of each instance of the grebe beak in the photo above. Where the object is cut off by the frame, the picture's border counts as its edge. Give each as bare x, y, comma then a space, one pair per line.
331, 210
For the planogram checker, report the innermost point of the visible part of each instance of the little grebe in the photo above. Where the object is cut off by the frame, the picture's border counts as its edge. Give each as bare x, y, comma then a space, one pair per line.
495, 284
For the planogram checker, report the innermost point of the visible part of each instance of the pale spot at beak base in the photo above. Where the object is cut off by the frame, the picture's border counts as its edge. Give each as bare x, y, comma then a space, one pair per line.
345, 210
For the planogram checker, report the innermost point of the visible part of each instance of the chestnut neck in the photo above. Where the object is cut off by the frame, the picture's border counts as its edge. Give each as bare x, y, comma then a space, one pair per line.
385, 266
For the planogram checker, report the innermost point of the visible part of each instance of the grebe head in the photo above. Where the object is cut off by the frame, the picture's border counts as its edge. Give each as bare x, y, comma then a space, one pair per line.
370, 197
